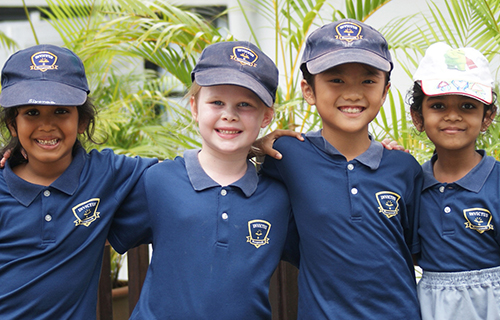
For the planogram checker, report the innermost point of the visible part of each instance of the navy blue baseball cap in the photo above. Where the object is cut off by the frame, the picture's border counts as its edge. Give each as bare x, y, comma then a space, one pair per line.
238, 63
45, 75
346, 41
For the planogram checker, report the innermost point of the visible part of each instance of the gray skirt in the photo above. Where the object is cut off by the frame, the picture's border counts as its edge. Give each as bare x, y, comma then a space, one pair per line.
468, 295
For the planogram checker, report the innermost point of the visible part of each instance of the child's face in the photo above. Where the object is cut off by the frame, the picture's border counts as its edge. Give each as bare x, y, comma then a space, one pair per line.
452, 122
47, 133
348, 97
229, 117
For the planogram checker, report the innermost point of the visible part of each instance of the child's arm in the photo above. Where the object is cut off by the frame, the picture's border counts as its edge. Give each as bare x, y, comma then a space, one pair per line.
415, 259
264, 145
291, 252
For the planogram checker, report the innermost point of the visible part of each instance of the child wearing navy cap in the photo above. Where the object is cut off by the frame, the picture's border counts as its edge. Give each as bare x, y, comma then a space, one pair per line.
218, 228
452, 100
353, 201
56, 200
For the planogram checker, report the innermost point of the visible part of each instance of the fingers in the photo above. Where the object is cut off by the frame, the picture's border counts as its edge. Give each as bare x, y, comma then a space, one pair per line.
5, 157
392, 145
387, 143
281, 133
264, 145
268, 142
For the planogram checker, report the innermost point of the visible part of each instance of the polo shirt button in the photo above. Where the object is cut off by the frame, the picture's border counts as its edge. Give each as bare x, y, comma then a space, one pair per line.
46, 193
447, 209
441, 189
225, 216
350, 166
354, 191
48, 217
223, 192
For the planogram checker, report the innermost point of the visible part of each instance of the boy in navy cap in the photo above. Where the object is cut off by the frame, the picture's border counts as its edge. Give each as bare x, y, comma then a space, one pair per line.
354, 202
218, 229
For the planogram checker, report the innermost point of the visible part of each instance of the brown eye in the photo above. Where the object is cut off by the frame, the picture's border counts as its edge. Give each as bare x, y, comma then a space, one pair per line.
32, 112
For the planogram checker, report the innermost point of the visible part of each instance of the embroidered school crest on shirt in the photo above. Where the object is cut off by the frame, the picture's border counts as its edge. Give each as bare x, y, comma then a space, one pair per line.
244, 56
43, 61
86, 212
348, 31
388, 203
478, 219
258, 231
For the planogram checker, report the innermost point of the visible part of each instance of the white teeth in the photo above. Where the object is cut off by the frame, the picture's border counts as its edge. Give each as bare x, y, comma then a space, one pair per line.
228, 132
351, 110
47, 142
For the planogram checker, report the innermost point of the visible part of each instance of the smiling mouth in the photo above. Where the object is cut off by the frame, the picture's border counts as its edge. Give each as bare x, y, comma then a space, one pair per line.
47, 142
351, 110
453, 130
229, 131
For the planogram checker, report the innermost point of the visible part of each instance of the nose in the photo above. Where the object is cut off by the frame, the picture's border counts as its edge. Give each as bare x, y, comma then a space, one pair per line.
352, 93
46, 123
229, 114
453, 115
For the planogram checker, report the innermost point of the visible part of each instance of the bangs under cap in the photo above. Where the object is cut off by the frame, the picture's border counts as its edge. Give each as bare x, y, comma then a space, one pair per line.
346, 41
464, 71
238, 63
43, 75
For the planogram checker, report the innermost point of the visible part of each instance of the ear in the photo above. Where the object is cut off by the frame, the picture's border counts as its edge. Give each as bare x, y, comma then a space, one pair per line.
418, 121
308, 92
386, 91
82, 126
268, 117
12, 129
194, 108
488, 119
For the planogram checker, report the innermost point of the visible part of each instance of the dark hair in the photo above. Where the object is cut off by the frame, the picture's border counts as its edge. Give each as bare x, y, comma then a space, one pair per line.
86, 114
310, 77
415, 98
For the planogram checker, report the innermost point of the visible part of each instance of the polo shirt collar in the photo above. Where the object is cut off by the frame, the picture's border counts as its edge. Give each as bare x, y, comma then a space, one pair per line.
200, 180
25, 192
370, 158
472, 181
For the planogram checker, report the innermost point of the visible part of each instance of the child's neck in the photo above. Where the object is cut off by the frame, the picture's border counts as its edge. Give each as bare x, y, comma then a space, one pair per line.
452, 165
350, 145
223, 169
41, 174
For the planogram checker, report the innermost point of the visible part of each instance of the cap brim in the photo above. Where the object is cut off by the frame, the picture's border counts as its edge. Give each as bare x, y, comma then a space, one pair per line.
41, 93
473, 90
353, 55
227, 76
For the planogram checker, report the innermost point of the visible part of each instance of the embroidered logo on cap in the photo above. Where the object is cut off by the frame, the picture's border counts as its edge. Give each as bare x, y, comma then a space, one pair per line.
456, 59
478, 219
245, 56
388, 203
348, 31
258, 231
43, 61
86, 212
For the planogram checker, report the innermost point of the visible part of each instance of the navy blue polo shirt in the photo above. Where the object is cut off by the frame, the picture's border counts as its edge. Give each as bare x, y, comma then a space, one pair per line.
355, 222
52, 238
459, 221
214, 248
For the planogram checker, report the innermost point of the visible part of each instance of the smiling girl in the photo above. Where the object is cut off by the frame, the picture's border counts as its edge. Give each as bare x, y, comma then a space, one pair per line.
459, 248
217, 227
56, 200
